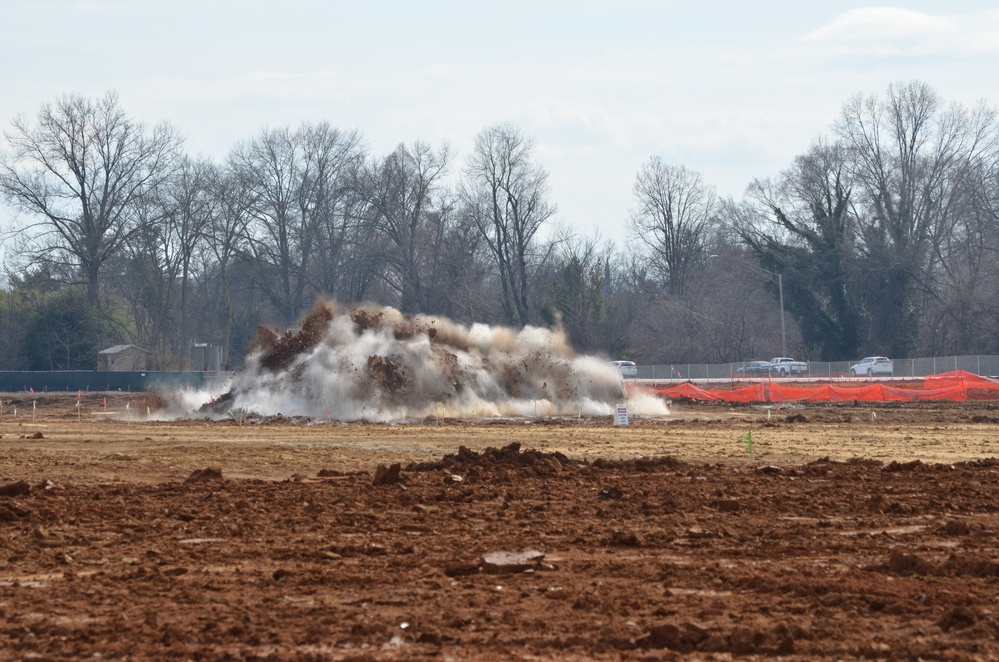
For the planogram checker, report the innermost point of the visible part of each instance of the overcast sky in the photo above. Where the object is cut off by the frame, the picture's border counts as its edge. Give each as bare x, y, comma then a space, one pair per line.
731, 89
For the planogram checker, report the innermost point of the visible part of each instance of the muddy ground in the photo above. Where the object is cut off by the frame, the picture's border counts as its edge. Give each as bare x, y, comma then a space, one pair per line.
848, 531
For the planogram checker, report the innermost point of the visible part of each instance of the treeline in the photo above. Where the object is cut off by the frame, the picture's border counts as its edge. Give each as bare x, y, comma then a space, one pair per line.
880, 238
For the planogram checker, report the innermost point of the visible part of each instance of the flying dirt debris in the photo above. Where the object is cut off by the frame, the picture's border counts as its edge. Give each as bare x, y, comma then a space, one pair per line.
375, 363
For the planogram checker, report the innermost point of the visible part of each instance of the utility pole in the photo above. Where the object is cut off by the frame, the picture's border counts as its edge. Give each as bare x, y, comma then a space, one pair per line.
780, 289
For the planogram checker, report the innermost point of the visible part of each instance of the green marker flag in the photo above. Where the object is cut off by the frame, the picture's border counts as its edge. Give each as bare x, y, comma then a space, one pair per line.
748, 440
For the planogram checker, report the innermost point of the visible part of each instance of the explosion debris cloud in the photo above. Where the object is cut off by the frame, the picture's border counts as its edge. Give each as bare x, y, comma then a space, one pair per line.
375, 363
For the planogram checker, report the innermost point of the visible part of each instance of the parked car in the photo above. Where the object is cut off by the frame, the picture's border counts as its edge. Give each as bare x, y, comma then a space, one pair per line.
873, 365
755, 368
627, 368
785, 365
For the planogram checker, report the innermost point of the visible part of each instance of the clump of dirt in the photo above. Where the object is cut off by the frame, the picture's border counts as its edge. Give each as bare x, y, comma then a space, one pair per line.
12, 512
957, 618
895, 466
17, 488
388, 373
956, 565
387, 475
207, 475
968, 565
281, 419
510, 456
278, 352
903, 563
218, 405
448, 361
364, 319
641, 463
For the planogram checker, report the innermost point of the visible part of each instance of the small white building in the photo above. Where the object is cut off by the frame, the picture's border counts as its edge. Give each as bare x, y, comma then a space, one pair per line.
122, 357
205, 357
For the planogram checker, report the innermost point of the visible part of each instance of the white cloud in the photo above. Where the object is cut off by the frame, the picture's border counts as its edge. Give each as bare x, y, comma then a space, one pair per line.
894, 30
882, 23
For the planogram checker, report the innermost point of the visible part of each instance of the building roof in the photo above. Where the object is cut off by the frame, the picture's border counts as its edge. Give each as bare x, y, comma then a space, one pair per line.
118, 349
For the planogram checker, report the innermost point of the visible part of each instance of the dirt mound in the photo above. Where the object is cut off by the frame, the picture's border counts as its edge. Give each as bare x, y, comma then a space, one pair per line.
903, 563
507, 457
969, 565
386, 475
17, 488
956, 565
207, 475
894, 466
641, 463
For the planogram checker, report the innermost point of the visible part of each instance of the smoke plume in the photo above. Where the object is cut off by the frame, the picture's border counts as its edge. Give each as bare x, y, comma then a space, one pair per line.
375, 363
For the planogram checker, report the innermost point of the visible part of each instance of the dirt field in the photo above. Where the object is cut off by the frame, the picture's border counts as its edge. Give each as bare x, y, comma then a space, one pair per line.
847, 532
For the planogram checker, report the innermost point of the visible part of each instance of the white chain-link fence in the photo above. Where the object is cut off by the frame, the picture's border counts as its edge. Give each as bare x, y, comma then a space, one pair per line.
986, 365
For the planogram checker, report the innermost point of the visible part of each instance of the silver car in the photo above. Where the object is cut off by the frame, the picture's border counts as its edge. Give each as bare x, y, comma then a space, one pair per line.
627, 368
873, 365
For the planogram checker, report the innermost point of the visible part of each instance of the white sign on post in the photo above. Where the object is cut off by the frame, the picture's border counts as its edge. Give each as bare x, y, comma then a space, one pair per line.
622, 415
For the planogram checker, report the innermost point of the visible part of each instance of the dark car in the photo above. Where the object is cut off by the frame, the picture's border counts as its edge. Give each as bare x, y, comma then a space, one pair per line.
755, 369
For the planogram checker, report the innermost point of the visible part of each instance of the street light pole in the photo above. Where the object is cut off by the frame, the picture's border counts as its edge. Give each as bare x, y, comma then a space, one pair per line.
780, 288
783, 333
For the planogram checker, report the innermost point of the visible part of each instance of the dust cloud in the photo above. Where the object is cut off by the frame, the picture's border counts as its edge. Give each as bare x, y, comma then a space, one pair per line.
374, 363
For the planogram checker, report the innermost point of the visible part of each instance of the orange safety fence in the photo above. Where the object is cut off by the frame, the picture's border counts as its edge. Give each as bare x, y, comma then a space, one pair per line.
953, 386
963, 377
752, 393
867, 393
976, 386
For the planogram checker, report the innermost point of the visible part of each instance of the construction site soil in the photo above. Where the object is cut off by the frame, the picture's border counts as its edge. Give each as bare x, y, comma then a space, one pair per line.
838, 531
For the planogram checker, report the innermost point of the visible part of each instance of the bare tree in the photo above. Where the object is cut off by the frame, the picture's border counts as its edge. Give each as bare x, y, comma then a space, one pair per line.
190, 207
328, 202
576, 291
267, 167
342, 267
911, 156
153, 274
294, 180
505, 194
802, 226
669, 224
143, 277
225, 238
462, 289
405, 211
962, 314
81, 171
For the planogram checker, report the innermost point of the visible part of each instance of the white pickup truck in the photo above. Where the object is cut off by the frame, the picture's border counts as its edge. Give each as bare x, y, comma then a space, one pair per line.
785, 365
